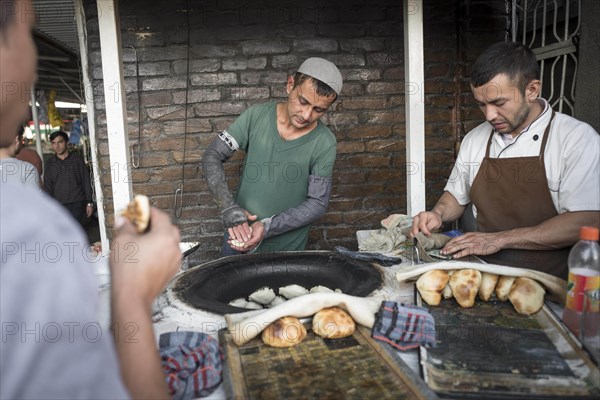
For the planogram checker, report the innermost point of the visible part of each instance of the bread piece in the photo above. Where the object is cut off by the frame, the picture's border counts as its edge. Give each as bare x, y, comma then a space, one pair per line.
431, 284
447, 291
433, 280
138, 212
503, 287
526, 295
284, 332
488, 284
465, 285
432, 298
333, 323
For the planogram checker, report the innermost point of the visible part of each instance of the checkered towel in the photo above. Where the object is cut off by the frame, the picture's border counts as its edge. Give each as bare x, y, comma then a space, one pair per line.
404, 326
192, 363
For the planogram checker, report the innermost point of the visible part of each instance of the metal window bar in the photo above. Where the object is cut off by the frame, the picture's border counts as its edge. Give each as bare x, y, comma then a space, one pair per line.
551, 29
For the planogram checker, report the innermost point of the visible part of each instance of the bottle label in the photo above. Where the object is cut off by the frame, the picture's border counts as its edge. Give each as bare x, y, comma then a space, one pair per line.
583, 291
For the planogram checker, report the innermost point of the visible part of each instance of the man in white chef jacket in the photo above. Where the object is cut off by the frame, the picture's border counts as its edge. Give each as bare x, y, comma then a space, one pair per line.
531, 173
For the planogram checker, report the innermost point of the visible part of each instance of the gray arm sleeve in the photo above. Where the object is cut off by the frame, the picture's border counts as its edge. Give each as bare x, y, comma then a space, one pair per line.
314, 207
219, 151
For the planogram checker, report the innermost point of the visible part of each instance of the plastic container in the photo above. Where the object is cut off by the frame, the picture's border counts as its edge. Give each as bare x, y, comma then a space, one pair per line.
582, 309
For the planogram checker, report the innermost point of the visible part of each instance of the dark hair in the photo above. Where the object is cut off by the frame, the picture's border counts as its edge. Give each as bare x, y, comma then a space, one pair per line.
53, 135
513, 59
323, 89
7, 13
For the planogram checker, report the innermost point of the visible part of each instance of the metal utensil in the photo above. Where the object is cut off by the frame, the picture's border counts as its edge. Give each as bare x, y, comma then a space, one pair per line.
416, 259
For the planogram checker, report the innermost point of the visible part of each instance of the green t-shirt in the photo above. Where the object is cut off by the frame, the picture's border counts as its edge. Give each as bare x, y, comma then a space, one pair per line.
275, 173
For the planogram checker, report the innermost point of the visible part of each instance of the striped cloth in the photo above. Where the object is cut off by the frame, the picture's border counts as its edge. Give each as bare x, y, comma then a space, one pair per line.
404, 326
192, 363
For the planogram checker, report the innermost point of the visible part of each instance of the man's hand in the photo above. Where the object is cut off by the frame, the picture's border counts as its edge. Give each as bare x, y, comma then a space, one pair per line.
478, 243
89, 209
425, 222
143, 264
258, 233
242, 232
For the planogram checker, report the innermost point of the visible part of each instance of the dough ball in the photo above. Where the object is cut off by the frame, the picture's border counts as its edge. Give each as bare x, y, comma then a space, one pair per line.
284, 332
526, 295
276, 301
239, 302
264, 296
333, 323
465, 285
320, 289
488, 284
503, 287
291, 291
252, 305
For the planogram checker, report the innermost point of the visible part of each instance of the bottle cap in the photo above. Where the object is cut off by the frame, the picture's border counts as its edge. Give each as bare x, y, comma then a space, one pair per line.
589, 233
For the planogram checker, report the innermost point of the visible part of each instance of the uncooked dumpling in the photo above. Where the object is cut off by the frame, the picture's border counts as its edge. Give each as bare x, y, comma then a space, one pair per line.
276, 301
264, 296
239, 302
320, 289
291, 291
254, 305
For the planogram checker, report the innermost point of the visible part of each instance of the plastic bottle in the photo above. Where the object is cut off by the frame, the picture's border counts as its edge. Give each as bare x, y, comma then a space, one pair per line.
583, 289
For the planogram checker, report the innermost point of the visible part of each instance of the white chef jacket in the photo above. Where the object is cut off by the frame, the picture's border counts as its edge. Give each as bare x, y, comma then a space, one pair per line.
572, 160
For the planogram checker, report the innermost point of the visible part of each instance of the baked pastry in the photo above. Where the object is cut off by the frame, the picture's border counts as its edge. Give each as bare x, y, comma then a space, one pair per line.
526, 295
447, 291
333, 323
465, 285
431, 284
503, 287
488, 284
284, 332
138, 212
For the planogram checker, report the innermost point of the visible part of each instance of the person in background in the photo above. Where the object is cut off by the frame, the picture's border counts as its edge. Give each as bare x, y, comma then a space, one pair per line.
530, 172
14, 170
52, 346
67, 179
32, 157
290, 153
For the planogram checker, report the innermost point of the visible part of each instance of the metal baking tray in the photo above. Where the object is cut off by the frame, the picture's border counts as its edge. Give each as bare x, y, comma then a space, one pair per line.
490, 351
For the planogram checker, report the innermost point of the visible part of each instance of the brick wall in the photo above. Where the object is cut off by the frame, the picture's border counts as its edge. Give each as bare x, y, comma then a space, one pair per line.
241, 55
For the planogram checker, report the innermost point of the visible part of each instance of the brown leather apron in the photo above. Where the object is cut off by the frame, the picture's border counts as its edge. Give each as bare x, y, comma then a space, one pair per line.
513, 193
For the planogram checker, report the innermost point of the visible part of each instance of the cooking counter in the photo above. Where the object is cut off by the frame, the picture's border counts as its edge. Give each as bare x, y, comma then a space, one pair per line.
170, 314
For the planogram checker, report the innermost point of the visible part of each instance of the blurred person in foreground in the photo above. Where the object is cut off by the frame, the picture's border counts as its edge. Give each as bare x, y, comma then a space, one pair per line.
52, 344
530, 172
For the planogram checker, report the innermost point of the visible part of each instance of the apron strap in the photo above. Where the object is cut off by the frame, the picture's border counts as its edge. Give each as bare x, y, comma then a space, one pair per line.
545, 139
489, 143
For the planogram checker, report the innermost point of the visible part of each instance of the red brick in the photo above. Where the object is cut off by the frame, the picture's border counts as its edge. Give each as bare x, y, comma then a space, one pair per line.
350, 147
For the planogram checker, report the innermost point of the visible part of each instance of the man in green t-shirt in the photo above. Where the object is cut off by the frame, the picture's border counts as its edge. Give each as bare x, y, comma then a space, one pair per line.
286, 179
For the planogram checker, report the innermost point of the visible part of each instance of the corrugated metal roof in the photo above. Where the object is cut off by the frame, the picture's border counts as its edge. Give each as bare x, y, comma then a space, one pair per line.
57, 41
56, 20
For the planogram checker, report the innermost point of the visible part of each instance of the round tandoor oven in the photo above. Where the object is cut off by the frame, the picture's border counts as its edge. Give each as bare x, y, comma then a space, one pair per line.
213, 285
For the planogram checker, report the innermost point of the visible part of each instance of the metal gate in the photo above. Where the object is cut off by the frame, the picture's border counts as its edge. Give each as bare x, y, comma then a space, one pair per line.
551, 29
